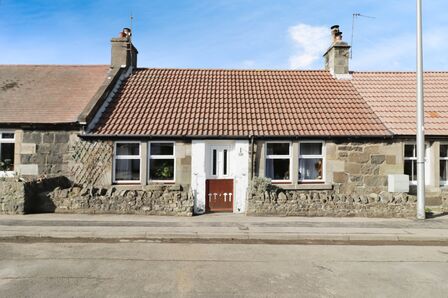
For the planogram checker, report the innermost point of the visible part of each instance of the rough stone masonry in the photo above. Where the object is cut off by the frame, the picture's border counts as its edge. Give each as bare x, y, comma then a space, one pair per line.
59, 194
266, 199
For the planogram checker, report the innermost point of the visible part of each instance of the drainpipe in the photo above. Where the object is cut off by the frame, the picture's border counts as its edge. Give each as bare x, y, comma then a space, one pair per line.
252, 147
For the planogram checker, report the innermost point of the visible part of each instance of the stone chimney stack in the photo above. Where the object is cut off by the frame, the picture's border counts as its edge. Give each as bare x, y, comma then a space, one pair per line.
338, 55
124, 54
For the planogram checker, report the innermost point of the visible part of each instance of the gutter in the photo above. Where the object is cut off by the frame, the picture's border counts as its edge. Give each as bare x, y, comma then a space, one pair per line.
210, 137
42, 126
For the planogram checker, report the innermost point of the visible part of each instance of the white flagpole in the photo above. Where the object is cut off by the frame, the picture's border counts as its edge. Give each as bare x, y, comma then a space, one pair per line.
420, 119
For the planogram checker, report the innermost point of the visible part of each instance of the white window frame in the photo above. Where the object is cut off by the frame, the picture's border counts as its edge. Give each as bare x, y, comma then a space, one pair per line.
289, 156
427, 163
219, 172
150, 156
322, 156
127, 157
8, 141
414, 158
443, 182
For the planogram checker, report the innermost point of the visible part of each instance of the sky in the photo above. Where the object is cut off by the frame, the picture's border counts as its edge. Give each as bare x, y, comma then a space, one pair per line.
237, 34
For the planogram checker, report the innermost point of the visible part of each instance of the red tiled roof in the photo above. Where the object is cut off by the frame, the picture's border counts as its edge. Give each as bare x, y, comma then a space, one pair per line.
47, 93
194, 102
392, 95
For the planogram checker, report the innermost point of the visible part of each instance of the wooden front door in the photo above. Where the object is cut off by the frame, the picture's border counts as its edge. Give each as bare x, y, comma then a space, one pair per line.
219, 195
219, 185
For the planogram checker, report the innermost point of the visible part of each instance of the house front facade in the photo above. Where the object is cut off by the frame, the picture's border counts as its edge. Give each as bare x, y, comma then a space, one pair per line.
262, 142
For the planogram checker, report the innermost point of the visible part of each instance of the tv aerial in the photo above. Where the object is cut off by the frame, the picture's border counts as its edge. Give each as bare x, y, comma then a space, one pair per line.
355, 17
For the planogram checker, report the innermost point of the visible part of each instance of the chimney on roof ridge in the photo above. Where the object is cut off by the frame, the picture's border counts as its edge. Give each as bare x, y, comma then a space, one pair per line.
337, 56
123, 53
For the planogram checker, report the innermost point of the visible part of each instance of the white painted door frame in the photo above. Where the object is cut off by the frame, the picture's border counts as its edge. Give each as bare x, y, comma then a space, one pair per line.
219, 166
238, 170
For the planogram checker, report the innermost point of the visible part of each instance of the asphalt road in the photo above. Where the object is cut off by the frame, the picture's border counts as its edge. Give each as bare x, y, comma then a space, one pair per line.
220, 270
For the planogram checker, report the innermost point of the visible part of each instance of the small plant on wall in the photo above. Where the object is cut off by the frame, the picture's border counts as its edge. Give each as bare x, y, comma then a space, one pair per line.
6, 165
163, 171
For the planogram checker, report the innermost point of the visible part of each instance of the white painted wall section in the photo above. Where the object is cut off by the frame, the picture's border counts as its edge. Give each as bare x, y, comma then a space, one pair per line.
240, 166
198, 175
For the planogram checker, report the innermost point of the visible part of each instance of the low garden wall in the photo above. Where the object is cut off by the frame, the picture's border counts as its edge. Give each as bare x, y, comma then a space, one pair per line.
12, 197
265, 199
60, 195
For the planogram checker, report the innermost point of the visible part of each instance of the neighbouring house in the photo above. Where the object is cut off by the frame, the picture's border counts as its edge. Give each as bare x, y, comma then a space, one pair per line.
326, 142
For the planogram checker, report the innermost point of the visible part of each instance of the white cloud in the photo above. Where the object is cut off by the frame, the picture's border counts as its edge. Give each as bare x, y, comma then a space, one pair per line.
311, 43
248, 64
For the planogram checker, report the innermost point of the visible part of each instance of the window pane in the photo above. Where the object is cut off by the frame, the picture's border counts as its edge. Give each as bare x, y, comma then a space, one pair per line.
7, 135
277, 169
161, 169
6, 156
310, 169
225, 162
310, 148
278, 149
162, 149
128, 149
414, 170
127, 169
409, 151
443, 170
410, 169
443, 150
214, 162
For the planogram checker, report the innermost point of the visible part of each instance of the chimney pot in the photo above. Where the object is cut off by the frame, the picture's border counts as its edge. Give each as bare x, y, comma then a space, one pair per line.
338, 36
127, 32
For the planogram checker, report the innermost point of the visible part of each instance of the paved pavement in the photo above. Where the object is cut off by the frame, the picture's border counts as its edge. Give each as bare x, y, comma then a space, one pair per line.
231, 228
220, 270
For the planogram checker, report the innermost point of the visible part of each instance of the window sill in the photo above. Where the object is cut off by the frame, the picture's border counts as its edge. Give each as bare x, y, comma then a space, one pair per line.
309, 186
7, 174
128, 186
281, 182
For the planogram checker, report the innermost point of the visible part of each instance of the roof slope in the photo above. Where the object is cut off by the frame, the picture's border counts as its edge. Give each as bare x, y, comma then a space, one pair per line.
47, 93
194, 102
392, 95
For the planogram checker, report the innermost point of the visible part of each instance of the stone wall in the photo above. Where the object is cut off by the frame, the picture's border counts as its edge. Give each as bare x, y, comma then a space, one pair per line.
43, 153
362, 168
152, 200
265, 199
12, 197
60, 195
355, 184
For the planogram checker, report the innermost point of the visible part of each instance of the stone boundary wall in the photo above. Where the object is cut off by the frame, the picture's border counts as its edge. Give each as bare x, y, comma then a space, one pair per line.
265, 199
12, 197
60, 195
